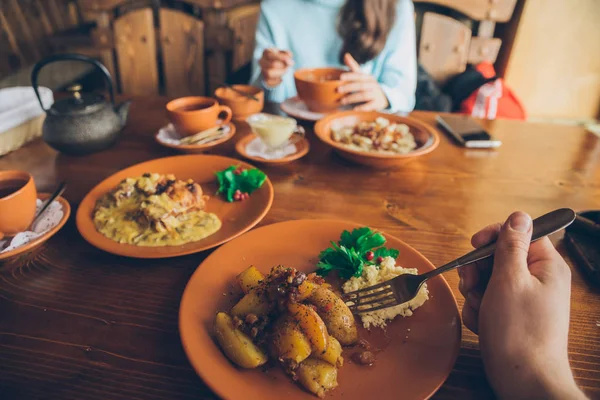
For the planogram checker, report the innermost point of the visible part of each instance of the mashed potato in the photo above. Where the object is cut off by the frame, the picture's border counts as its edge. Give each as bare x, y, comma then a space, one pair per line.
372, 275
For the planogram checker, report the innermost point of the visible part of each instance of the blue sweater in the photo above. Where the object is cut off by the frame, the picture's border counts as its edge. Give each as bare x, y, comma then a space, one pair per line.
308, 28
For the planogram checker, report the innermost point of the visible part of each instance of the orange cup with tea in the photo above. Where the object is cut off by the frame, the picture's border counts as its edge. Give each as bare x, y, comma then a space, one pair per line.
18, 198
194, 114
318, 88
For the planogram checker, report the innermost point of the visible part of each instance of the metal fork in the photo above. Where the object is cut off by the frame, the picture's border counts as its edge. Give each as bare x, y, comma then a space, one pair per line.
405, 287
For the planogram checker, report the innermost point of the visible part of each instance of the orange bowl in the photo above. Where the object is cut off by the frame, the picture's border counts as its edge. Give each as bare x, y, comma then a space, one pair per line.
241, 107
426, 137
317, 87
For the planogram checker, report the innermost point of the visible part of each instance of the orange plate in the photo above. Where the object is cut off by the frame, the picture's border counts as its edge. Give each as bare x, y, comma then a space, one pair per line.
198, 148
302, 147
426, 137
237, 217
411, 364
34, 243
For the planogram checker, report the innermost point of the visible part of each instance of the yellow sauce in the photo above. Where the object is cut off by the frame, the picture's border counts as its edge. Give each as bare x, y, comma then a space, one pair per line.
119, 222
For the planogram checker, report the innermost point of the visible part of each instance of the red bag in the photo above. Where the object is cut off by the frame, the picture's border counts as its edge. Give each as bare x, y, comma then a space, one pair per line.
493, 99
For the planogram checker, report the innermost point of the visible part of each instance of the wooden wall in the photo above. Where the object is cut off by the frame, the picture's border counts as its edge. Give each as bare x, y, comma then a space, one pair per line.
554, 63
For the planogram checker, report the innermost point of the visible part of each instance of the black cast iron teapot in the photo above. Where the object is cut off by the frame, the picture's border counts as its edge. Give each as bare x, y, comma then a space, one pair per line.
85, 122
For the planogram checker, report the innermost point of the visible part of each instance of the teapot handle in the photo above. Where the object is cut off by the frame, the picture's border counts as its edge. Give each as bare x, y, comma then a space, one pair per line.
68, 57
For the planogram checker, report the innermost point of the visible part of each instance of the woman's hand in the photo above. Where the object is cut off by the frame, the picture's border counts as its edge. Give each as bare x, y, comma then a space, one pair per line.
519, 304
274, 63
360, 88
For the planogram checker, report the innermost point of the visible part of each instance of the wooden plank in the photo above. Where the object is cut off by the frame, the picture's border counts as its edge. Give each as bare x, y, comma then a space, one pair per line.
20, 32
56, 17
182, 41
243, 21
12, 42
135, 42
482, 49
43, 17
494, 10
444, 46
35, 23
72, 13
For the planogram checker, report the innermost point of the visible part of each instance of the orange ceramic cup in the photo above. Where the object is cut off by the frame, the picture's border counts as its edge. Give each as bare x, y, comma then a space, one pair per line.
17, 202
241, 106
317, 87
194, 114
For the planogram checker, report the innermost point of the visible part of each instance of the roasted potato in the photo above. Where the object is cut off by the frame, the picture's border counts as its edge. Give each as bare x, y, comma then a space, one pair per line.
317, 376
311, 324
332, 354
250, 278
305, 290
337, 316
289, 342
236, 344
254, 302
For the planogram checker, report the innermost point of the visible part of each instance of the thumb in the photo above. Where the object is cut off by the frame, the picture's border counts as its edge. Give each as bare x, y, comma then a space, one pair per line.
512, 246
351, 63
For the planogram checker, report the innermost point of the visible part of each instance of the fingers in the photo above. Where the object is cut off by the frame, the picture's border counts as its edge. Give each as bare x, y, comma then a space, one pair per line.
284, 56
486, 235
356, 76
368, 106
512, 246
351, 63
469, 279
359, 86
470, 318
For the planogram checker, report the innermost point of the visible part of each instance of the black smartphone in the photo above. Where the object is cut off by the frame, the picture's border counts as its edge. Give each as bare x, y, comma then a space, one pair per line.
467, 132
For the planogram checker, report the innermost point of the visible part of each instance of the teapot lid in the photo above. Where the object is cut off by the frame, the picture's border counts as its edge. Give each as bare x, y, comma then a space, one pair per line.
79, 103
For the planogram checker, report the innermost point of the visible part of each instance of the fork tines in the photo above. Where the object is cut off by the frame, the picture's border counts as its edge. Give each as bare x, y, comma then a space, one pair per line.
370, 299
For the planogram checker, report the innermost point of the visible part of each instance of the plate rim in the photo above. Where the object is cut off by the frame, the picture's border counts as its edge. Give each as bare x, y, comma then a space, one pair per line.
145, 255
216, 389
45, 237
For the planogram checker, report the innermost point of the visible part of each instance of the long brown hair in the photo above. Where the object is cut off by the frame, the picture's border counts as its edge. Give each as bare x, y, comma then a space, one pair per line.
364, 25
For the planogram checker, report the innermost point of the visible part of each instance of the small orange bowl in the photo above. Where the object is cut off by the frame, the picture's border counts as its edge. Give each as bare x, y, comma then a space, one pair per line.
426, 137
317, 87
241, 106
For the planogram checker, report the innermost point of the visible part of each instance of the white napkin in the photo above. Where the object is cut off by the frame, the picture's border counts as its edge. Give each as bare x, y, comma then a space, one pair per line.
257, 148
169, 135
51, 218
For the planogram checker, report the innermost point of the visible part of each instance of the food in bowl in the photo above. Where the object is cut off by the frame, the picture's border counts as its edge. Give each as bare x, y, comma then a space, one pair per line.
380, 136
317, 87
155, 210
292, 318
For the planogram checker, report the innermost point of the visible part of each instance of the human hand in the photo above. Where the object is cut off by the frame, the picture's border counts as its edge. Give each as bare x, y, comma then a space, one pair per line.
519, 304
361, 88
274, 63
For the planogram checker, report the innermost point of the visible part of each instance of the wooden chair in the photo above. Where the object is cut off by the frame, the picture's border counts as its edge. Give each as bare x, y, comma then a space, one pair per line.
454, 33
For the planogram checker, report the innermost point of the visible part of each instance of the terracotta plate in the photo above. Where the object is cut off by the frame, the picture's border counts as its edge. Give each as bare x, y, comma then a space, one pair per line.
237, 217
36, 242
302, 147
417, 353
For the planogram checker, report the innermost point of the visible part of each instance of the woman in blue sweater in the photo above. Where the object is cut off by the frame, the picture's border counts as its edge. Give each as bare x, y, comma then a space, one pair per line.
374, 39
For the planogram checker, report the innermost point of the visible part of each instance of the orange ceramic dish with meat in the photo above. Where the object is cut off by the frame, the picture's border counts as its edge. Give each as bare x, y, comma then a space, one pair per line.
155, 210
290, 317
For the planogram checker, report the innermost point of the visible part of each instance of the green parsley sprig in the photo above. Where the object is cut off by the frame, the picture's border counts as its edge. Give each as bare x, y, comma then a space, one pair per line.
235, 179
349, 256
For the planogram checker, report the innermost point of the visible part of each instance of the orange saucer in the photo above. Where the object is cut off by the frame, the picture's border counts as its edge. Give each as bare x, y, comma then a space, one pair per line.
36, 242
302, 147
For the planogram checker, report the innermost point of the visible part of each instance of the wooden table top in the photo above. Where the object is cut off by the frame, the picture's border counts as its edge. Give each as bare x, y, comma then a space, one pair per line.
77, 323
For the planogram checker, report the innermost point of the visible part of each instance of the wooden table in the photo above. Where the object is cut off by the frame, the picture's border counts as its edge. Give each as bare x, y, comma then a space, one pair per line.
77, 323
